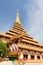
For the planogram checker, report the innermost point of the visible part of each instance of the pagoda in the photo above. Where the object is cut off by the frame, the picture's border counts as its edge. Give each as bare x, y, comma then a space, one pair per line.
19, 41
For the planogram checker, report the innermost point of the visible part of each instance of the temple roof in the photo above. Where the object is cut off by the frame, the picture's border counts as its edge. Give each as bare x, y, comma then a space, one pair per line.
18, 32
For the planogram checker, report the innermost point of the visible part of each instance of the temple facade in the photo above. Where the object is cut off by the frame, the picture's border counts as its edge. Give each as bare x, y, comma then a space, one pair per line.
19, 42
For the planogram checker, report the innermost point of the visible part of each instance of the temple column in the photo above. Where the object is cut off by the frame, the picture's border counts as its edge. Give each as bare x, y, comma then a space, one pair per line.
35, 57
29, 56
21, 56
40, 57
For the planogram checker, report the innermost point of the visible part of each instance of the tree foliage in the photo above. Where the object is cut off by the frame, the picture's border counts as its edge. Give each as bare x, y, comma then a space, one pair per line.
3, 49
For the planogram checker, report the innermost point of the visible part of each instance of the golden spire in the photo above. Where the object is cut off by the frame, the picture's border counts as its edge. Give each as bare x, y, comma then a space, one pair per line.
17, 20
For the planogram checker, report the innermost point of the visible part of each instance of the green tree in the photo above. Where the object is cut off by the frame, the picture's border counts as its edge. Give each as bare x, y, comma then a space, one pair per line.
3, 48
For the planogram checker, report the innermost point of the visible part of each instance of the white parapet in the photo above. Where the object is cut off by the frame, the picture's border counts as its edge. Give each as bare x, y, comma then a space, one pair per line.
6, 63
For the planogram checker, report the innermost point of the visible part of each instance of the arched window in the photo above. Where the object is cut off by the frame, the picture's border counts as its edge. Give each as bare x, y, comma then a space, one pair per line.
25, 57
38, 57
32, 57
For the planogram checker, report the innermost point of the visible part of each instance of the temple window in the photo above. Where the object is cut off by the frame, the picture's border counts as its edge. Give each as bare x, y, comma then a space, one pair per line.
32, 56
38, 57
25, 57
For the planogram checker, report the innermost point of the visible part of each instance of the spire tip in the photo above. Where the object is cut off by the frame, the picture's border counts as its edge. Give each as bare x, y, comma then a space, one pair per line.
17, 17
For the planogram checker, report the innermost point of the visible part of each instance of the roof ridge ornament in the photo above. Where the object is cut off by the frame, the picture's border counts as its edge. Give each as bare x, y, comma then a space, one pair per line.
17, 20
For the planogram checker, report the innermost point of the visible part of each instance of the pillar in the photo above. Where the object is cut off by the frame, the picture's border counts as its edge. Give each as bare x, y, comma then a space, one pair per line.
29, 56
21, 56
40, 57
35, 57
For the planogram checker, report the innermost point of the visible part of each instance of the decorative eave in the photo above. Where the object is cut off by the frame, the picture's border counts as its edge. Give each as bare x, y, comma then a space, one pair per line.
23, 46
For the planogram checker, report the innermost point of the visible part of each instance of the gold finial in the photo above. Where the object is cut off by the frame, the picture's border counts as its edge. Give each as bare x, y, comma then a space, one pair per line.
17, 14
17, 17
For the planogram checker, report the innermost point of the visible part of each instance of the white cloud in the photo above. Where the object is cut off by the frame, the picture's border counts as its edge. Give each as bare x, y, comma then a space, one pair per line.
34, 10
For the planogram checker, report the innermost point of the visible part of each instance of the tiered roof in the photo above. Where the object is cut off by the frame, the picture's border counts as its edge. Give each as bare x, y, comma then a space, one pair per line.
26, 42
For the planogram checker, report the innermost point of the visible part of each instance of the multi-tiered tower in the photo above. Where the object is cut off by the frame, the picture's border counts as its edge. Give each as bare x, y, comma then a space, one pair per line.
17, 39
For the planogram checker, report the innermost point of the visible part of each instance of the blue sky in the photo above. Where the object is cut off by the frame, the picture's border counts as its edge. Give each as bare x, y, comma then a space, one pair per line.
31, 16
